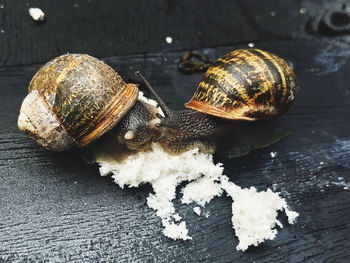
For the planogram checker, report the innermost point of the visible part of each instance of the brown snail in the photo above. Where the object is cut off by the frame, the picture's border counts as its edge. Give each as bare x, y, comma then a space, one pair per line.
243, 86
74, 99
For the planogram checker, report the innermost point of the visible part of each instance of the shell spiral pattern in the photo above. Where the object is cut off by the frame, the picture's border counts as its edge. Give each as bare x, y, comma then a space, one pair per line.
246, 84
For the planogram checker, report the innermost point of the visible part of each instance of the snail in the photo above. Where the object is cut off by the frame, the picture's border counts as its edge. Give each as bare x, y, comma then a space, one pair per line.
244, 86
74, 99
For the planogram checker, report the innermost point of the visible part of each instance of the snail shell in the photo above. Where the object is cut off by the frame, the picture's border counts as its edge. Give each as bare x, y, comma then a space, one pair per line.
246, 84
74, 99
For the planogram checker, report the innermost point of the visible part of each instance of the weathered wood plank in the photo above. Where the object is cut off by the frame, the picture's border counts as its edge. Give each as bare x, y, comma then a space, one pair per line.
110, 28
55, 207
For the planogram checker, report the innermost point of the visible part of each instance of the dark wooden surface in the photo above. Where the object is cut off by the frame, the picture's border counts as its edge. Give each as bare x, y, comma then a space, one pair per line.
56, 208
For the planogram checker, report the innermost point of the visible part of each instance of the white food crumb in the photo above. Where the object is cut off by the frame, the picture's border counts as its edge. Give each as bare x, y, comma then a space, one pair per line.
1, 6
273, 154
197, 210
254, 214
2, 31
36, 13
321, 163
175, 231
302, 10
251, 45
169, 39
164, 176
193, 192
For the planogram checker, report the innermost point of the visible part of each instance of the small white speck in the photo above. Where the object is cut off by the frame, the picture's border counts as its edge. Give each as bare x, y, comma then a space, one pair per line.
85, 203
197, 210
302, 10
346, 188
1, 6
273, 154
273, 13
36, 14
251, 45
2, 31
340, 178
169, 39
76, 5
75, 182
206, 214
321, 163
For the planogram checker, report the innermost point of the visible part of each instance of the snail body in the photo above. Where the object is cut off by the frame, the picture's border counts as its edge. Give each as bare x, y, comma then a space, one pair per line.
73, 100
244, 85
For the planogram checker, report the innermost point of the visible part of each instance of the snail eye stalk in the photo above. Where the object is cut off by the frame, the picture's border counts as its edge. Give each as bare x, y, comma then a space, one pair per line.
159, 100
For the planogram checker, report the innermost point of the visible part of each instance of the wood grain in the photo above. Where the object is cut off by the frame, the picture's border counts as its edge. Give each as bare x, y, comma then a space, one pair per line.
56, 208
114, 28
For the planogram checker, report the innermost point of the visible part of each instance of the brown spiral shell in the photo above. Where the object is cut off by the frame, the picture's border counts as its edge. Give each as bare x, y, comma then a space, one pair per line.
246, 84
85, 95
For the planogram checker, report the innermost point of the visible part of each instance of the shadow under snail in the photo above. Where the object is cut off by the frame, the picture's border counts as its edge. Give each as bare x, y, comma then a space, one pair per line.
81, 98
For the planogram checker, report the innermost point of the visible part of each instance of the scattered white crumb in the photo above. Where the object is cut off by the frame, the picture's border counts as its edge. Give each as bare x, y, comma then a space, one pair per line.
254, 214
273, 154
340, 178
273, 13
169, 39
1, 6
197, 210
346, 188
2, 31
175, 231
302, 10
251, 45
321, 163
36, 13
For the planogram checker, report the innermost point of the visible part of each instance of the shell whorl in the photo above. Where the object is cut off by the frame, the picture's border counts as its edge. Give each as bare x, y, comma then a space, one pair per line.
246, 84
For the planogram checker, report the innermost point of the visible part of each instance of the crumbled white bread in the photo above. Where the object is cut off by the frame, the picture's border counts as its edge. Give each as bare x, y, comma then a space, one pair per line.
197, 210
36, 14
169, 39
251, 45
273, 154
205, 188
164, 172
254, 214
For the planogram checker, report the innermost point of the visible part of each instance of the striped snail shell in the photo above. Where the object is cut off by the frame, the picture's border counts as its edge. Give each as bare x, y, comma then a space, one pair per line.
246, 84
74, 99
